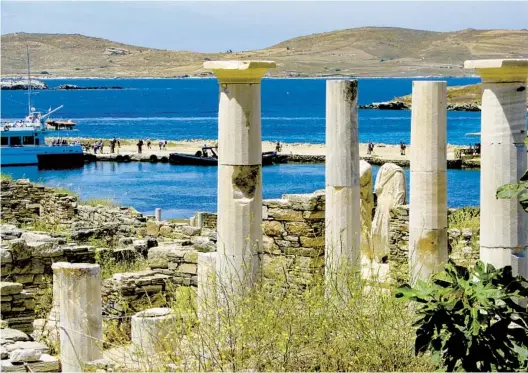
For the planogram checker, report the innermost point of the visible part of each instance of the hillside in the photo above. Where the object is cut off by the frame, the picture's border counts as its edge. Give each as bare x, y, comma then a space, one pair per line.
370, 51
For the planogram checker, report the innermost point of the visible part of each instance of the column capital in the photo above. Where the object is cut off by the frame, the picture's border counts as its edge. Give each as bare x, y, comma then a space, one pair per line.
239, 72
500, 70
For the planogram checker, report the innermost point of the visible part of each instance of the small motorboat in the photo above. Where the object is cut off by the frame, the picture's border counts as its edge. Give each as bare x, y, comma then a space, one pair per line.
198, 159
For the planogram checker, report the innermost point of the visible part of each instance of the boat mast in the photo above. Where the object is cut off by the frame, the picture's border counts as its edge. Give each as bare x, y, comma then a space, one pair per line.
29, 82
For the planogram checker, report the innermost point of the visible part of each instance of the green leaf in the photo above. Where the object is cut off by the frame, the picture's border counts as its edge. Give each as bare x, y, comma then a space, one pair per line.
509, 191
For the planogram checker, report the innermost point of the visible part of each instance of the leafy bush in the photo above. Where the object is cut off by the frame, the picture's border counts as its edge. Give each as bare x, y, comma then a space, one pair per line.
514, 190
472, 320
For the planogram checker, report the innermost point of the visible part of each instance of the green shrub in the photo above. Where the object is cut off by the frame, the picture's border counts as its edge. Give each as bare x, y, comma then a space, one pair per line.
472, 320
466, 217
275, 327
6, 177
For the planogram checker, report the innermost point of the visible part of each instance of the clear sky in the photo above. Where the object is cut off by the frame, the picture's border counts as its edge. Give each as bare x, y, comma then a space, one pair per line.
217, 26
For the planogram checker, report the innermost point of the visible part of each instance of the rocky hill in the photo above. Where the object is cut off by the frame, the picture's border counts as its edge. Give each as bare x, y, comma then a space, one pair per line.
368, 51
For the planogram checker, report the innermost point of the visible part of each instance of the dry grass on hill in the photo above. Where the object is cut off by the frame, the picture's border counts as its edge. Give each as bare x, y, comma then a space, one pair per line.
368, 51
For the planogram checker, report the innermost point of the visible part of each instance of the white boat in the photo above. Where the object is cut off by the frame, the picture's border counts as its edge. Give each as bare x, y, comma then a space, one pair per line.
23, 143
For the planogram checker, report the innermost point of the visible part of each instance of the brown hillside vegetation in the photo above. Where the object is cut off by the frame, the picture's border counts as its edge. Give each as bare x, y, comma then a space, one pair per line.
369, 51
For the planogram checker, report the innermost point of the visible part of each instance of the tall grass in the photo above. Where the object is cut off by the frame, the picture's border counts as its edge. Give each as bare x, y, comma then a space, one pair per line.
466, 217
274, 329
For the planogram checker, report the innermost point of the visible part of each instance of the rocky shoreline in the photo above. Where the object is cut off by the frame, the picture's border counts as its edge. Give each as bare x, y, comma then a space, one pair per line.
23, 85
400, 105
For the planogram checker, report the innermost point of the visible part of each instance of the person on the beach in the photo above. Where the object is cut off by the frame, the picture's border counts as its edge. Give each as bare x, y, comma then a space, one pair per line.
95, 147
402, 148
161, 144
139, 145
370, 148
148, 143
278, 147
112, 145
165, 145
118, 143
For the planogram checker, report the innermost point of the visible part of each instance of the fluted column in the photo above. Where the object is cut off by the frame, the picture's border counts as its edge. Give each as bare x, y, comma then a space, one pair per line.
503, 229
428, 185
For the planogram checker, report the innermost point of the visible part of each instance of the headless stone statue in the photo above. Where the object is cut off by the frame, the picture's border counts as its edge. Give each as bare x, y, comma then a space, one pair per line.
366, 206
390, 190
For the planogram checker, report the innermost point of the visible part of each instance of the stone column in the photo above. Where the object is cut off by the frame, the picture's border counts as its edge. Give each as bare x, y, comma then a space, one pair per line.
149, 331
81, 322
206, 285
503, 160
428, 185
342, 211
239, 172
157, 214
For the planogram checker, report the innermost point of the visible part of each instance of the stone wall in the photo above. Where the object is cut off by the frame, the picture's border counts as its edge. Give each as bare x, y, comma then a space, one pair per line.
293, 236
25, 203
171, 265
463, 244
18, 306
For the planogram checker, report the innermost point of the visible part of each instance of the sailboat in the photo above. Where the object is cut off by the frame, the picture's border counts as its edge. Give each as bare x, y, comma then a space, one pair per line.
23, 142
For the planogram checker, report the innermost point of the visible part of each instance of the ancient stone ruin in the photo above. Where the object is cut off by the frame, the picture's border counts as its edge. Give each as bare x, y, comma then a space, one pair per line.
300, 239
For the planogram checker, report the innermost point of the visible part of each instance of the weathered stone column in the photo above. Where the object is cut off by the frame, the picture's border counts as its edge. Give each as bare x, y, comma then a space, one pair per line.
206, 285
503, 160
239, 172
157, 214
149, 330
342, 211
428, 185
81, 321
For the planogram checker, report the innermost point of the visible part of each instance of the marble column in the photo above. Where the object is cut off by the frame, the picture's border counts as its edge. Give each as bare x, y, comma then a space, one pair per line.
207, 302
239, 172
342, 211
80, 320
428, 185
503, 229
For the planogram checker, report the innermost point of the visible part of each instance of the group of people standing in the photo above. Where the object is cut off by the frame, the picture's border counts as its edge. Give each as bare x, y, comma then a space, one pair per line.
370, 148
99, 145
162, 145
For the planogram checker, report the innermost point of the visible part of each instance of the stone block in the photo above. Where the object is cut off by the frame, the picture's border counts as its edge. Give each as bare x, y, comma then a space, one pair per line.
313, 215
299, 229
10, 288
24, 356
272, 228
187, 268
305, 202
285, 214
153, 228
269, 245
203, 244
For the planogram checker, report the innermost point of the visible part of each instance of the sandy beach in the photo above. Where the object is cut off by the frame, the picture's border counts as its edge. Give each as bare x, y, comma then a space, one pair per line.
383, 151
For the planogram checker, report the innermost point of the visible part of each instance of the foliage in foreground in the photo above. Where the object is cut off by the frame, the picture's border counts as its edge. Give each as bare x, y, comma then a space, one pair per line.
472, 320
514, 190
465, 217
278, 328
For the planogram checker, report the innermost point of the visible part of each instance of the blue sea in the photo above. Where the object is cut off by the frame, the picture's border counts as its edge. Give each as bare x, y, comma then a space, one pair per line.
293, 110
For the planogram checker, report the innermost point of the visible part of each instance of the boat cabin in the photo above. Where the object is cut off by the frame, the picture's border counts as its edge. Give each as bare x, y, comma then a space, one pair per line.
16, 137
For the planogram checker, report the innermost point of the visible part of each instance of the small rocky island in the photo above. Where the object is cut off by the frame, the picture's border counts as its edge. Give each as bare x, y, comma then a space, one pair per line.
24, 84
